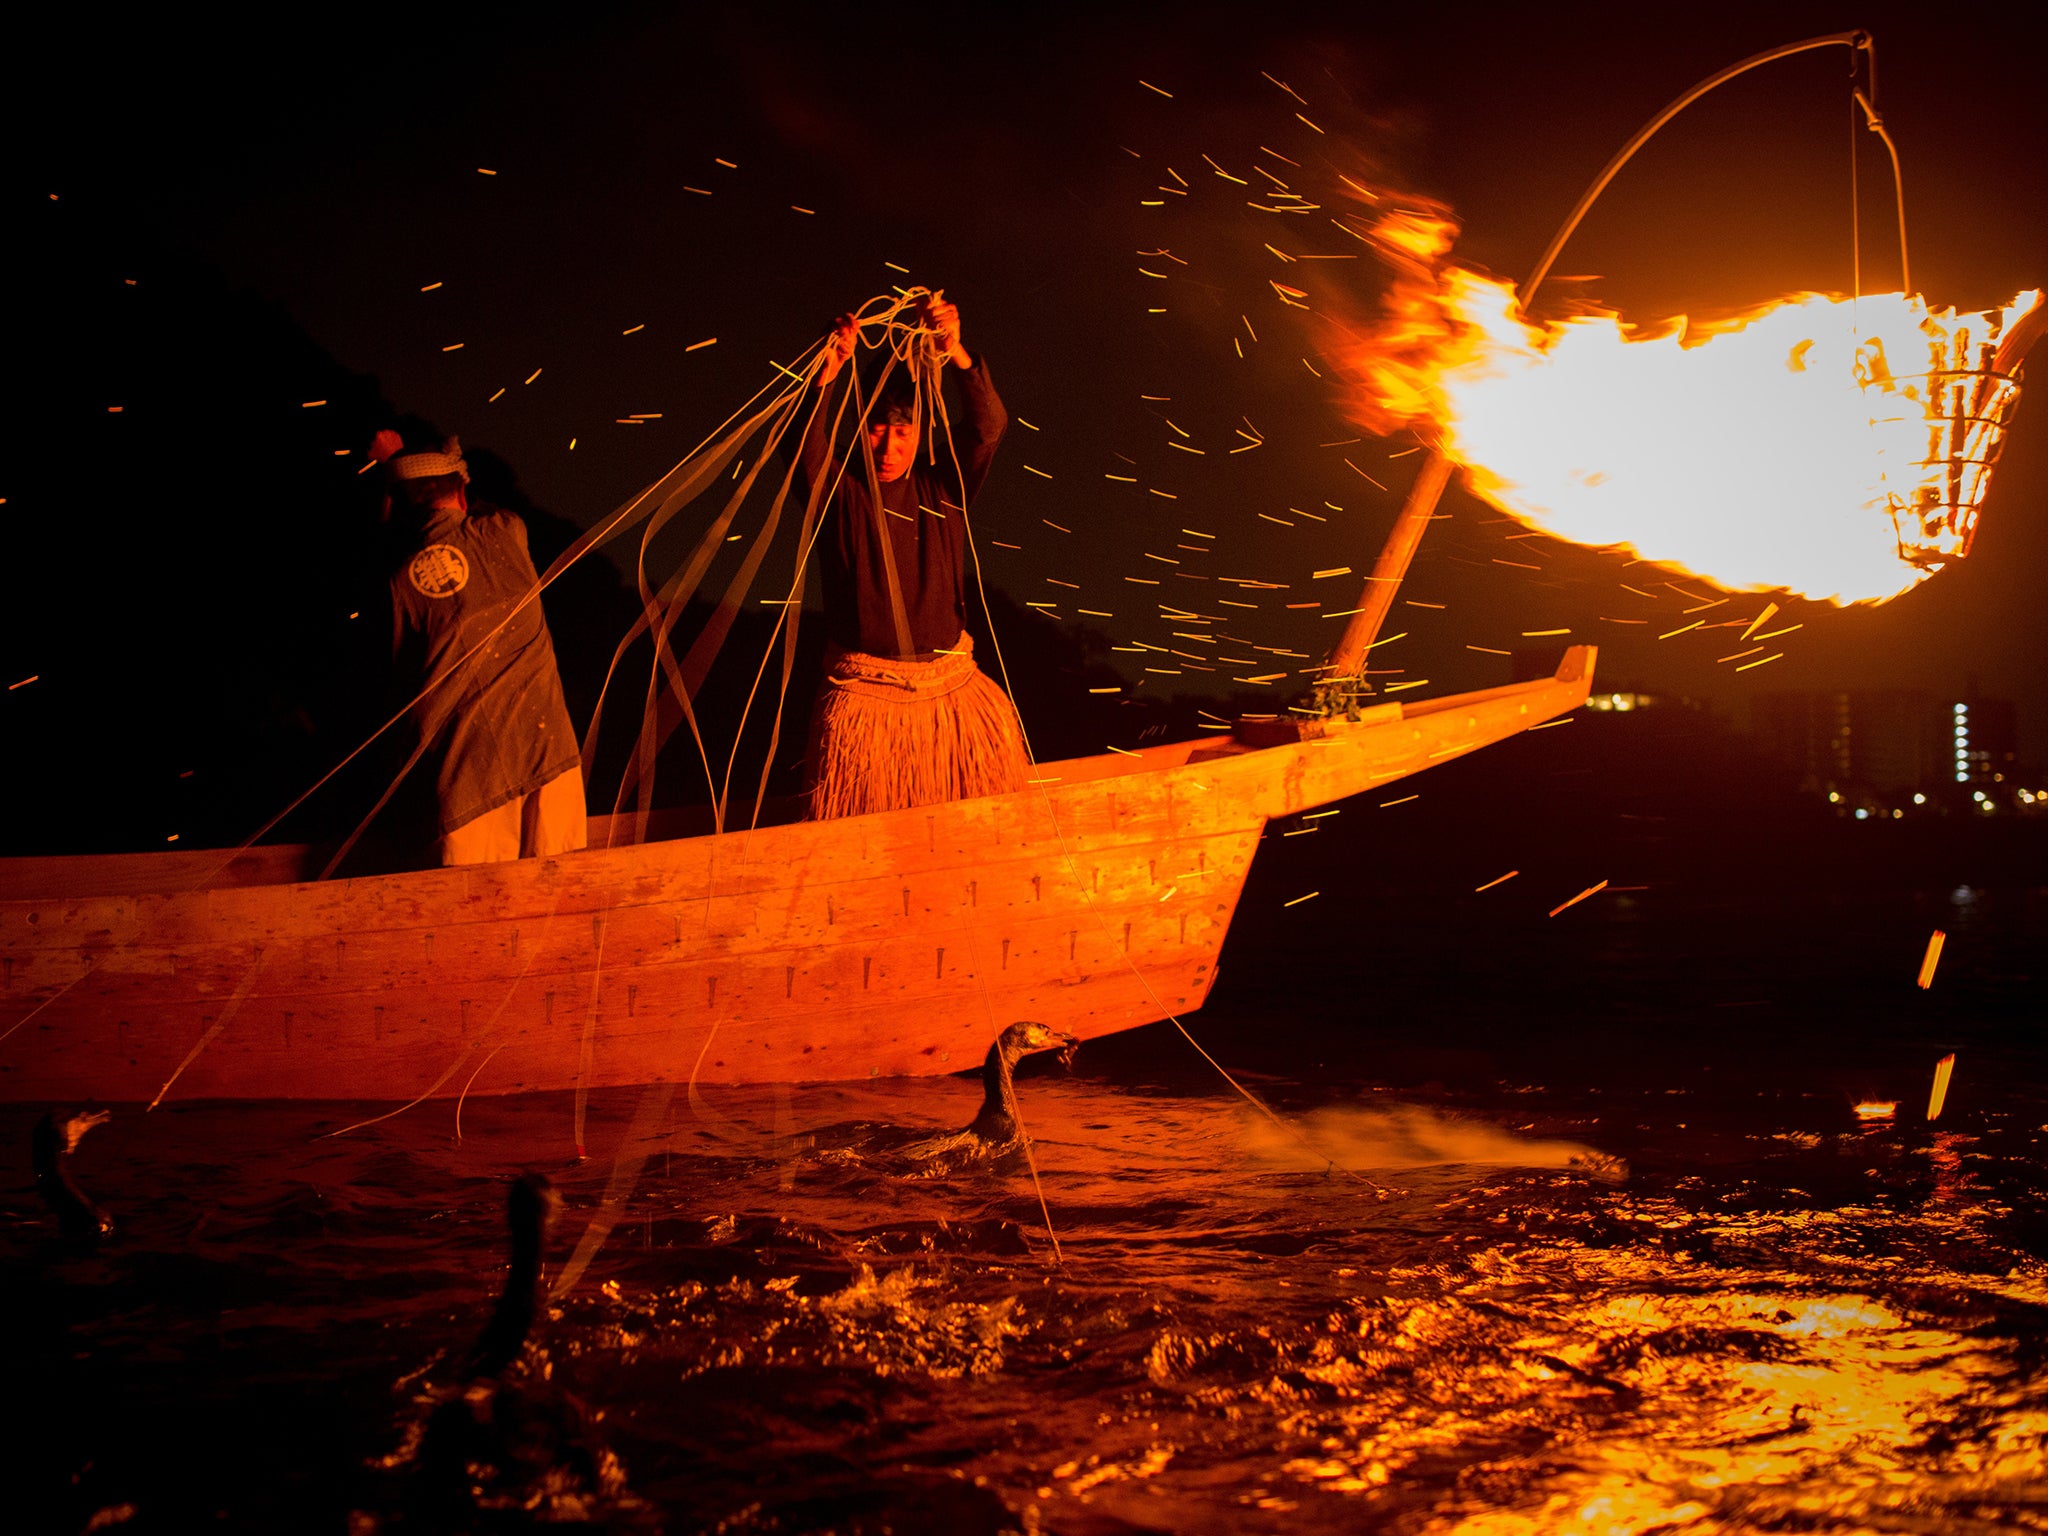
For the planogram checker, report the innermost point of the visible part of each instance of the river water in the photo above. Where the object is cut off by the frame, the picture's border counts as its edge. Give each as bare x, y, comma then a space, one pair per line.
1564, 1225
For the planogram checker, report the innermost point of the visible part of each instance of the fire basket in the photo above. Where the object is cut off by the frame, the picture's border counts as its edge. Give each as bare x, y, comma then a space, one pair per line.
1968, 392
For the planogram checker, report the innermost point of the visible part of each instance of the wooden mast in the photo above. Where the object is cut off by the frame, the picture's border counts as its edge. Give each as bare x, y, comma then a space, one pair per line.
1347, 659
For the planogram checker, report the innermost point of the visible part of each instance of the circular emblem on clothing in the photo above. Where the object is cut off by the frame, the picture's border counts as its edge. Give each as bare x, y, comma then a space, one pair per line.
439, 570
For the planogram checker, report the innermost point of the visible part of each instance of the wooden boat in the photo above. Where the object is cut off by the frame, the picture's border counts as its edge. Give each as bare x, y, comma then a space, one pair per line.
891, 944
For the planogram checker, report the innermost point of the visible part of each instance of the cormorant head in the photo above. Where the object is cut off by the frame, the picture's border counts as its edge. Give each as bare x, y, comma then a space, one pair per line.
532, 1204
1028, 1035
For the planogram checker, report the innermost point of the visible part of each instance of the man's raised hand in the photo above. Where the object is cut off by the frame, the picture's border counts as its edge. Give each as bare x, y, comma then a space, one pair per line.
838, 348
944, 318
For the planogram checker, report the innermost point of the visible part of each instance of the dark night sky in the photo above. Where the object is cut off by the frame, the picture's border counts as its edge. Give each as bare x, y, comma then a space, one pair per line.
332, 170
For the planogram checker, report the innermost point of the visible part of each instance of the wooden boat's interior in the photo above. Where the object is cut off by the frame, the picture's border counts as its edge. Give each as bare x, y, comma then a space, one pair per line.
196, 869
132, 874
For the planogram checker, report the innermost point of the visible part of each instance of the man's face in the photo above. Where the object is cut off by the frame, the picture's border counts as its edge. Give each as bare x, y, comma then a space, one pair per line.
894, 445
436, 493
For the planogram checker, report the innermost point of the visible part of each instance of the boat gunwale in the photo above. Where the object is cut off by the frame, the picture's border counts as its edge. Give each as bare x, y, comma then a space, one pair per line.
1057, 779
1072, 779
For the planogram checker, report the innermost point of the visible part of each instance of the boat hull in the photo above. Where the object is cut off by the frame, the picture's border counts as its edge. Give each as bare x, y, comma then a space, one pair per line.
896, 944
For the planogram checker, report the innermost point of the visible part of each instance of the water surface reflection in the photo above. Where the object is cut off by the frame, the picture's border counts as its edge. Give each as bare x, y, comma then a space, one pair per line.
1529, 1314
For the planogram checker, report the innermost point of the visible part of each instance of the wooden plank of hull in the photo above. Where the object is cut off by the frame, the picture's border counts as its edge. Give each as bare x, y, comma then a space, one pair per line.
804, 912
819, 1005
879, 944
418, 1046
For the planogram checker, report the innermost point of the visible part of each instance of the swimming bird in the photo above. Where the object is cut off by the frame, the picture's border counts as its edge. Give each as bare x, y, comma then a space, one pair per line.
996, 1125
911, 1151
83, 1223
996, 1129
506, 1437
917, 1153
531, 1207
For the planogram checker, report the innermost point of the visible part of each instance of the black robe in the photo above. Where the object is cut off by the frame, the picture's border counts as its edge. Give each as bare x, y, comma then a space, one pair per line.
926, 530
497, 729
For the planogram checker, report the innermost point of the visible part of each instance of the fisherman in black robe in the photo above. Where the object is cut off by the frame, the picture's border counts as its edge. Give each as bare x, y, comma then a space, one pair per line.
467, 629
905, 716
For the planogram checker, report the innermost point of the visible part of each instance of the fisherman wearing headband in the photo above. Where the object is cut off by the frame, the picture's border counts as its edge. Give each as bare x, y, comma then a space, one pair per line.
905, 717
469, 636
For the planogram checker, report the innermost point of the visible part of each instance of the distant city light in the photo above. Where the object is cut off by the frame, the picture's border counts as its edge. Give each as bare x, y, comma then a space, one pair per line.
1620, 703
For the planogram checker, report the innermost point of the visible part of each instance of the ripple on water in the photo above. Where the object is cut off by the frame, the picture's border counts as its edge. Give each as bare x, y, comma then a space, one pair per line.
1764, 1329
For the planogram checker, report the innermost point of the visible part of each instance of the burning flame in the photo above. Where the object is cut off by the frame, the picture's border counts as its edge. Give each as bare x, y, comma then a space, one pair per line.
1835, 447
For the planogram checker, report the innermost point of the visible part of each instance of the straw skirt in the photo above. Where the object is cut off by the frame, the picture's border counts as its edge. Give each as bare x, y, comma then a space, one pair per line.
886, 734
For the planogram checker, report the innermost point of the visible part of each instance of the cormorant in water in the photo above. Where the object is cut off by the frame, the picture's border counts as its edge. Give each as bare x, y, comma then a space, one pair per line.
83, 1223
919, 1153
505, 1437
997, 1122
995, 1130
531, 1206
